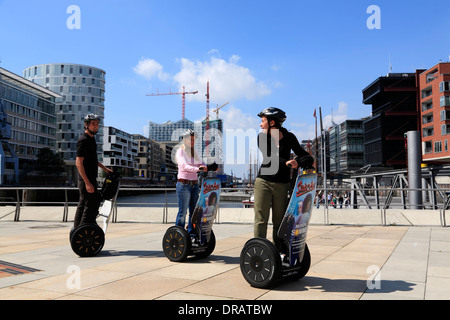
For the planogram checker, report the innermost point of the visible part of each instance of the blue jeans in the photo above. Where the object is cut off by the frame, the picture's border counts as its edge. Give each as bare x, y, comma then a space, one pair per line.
187, 198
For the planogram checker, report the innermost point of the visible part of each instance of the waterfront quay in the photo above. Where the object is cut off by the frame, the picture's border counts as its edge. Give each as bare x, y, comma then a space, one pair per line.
354, 257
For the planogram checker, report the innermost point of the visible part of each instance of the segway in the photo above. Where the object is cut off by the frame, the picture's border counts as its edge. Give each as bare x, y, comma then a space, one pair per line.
177, 243
88, 239
262, 265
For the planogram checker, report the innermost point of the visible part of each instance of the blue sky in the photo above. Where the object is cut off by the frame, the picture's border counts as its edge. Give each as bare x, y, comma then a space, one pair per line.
292, 54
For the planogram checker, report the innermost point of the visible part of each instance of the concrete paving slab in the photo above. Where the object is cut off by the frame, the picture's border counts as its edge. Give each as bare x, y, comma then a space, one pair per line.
348, 262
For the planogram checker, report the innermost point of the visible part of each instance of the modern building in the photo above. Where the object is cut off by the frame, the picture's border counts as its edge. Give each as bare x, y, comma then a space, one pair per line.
119, 151
434, 106
351, 145
144, 156
169, 133
156, 159
30, 124
82, 89
394, 112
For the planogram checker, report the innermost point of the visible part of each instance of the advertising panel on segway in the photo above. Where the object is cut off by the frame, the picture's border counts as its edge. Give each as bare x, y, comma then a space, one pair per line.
262, 265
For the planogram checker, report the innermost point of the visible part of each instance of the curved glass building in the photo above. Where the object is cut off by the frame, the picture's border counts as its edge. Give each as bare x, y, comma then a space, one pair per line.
83, 91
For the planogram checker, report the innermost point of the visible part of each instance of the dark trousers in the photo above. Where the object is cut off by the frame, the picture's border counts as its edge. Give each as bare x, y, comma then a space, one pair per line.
88, 204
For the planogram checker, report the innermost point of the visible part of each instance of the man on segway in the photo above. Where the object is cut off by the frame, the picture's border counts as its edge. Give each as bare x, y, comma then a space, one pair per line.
87, 165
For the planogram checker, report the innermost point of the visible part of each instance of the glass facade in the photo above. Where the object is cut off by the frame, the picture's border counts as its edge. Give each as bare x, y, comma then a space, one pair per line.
31, 111
82, 91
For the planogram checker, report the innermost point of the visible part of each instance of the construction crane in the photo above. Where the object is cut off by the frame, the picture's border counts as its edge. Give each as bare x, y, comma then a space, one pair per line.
217, 110
184, 93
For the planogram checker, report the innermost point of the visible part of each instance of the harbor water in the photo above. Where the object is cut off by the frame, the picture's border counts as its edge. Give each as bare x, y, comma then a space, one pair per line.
158, 199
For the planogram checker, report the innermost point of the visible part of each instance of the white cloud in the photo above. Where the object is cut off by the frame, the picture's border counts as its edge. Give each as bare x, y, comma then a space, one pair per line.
337, 117
234, 118
228, 80
303, 131
149, 68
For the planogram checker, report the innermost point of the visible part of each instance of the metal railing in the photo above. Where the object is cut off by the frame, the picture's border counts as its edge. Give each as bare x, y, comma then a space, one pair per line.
367, 198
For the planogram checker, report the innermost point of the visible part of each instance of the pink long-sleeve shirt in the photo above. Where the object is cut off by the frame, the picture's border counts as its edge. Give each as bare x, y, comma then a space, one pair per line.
187, 166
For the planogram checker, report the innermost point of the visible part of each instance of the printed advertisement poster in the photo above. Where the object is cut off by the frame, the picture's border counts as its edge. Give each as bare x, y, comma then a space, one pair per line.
206, 208
295, 222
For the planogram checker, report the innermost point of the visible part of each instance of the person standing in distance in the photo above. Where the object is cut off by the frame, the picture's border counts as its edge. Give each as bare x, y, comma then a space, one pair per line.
273, 180
87, 165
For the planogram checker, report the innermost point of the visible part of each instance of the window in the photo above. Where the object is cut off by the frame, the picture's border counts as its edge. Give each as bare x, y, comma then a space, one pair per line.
427, 118
444, 86
428, 131
427, 147
445, 115
438, 146
427, 106
445, 101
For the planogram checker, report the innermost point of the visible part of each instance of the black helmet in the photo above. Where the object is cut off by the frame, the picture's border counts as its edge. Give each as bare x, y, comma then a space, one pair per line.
274, 114
90, 117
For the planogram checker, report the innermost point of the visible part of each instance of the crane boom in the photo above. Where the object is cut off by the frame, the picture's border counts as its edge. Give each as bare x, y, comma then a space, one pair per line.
217, 110
184, 93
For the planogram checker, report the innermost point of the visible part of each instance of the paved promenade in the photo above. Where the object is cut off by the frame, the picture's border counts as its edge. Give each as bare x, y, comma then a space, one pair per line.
359, 261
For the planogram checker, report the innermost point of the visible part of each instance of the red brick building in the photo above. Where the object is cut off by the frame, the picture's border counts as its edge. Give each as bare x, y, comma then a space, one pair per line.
434, 106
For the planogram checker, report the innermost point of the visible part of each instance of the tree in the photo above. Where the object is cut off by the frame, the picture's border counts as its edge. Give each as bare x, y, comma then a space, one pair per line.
50, 162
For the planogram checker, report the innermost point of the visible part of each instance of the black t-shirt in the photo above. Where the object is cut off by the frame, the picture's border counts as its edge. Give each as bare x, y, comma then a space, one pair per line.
87, 148
281, 154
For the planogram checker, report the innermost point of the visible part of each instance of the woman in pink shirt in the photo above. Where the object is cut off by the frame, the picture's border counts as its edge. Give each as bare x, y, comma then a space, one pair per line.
189, 163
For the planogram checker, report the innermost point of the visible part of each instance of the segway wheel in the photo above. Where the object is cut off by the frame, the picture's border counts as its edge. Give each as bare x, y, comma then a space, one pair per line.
87, 240
305, 264
260, 263
176, 244
209, 249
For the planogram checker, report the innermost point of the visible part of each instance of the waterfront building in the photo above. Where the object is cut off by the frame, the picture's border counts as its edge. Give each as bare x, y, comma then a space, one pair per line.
82, 91
434, 106
350, 146
394, 112
120, 150
169, 133
144, 156
30, 124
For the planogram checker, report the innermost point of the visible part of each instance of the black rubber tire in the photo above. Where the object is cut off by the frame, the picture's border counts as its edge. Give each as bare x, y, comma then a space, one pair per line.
305, 264
87, 240
210, 247
260, 263
176, 244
